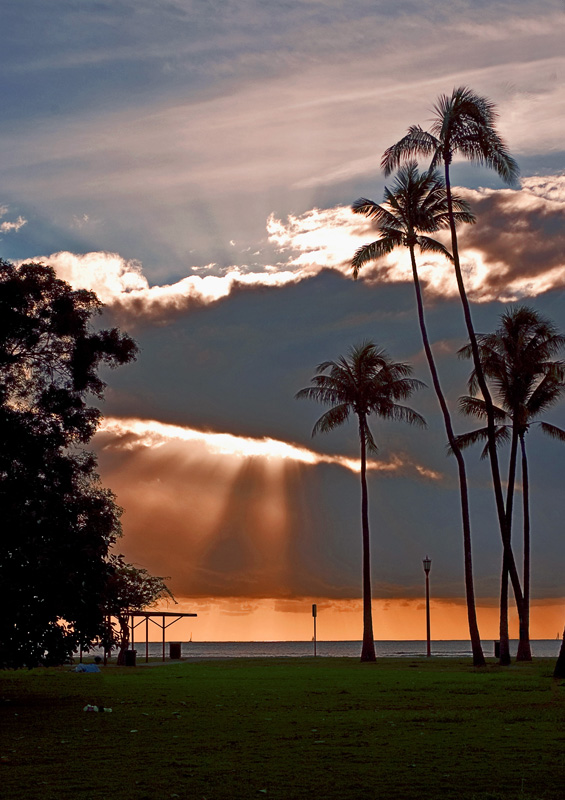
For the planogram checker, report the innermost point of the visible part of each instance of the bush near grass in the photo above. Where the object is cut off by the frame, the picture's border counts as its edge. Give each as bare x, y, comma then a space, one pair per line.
285, 729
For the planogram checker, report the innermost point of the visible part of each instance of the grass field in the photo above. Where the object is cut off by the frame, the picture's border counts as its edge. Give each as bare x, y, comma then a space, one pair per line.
296, 728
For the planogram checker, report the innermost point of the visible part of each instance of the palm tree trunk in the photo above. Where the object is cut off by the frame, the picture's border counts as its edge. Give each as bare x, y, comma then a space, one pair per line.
505, 659
368, 649
524, 648
478, 656
493, 456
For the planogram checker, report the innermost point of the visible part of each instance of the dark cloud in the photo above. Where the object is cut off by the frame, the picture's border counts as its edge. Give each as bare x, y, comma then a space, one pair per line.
521, 237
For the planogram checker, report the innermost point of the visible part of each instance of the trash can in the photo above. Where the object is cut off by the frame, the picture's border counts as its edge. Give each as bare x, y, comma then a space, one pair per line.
497, 648
130, 658
174, 649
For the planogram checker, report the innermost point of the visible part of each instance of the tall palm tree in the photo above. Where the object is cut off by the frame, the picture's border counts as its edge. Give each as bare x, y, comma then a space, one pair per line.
465, 124
518, 361
364, 383
416, 204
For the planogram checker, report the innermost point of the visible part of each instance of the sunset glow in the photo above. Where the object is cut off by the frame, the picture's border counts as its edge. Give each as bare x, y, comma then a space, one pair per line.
238, 619
128, 434
197, 171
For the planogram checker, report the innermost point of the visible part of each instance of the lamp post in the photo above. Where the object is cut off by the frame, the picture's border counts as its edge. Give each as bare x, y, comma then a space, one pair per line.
427, 566
314, 614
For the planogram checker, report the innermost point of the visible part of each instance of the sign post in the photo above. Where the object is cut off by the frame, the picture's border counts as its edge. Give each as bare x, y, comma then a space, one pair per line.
427, 566
314, 614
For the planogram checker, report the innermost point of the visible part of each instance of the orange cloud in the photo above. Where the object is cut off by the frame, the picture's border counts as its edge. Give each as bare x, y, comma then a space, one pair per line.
130, 434
226, 515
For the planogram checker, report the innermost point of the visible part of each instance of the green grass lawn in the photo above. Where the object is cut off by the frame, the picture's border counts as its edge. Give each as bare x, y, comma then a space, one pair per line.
285, 728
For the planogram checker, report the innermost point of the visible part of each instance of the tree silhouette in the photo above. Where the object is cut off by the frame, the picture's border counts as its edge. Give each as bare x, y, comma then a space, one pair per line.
58, 522
415, 205
526, 380
364, 383
128, 589
464, 124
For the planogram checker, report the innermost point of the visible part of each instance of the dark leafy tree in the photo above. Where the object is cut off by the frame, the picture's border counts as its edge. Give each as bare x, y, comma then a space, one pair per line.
364, 383
58, 521
415, 206
464, 124
519, 363
130, 589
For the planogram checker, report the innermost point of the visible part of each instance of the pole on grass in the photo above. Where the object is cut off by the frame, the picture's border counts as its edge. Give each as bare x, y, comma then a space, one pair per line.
427, 566
314, 614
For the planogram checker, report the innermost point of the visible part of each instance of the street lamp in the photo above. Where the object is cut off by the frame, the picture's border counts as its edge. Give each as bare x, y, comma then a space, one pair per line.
427, 562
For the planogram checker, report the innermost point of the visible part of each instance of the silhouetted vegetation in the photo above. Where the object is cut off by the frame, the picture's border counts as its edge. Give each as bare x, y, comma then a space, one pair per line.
58, 521
414, 207
518, 360
464, 124
367, 382
128, 589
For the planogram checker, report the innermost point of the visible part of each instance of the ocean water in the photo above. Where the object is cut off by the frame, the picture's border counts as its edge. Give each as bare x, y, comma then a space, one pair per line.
542, 648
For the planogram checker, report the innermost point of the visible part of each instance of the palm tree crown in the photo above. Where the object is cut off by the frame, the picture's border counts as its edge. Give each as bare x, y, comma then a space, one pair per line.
518, 359
367, 382
464, 124
415, 204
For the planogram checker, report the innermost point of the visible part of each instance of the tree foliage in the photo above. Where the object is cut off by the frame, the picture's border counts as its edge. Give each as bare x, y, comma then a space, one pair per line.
58, 521
130, 588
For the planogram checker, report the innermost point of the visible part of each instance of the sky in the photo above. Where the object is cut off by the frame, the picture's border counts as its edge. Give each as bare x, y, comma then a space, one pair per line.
194, 162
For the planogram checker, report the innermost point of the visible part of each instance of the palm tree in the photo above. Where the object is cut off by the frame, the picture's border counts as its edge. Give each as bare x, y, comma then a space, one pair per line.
465, 124
364, 383
518, 361
416, 204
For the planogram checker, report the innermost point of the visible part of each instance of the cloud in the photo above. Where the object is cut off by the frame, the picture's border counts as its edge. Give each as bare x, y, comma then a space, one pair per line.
133, 434
516, 250
234, 516
271, 121
121, 284
7, 226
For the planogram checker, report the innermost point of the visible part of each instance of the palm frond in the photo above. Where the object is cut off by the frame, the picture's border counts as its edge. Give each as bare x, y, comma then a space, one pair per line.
546, 394
399, 413
502, 434
417, 142
476, 407
369, 439
372, 251
374, 211
553, 430
465, 440
332, 419
428, 245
